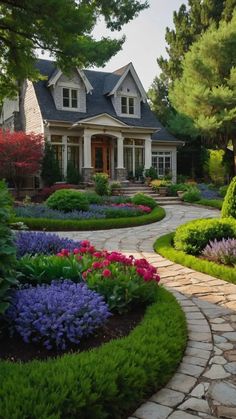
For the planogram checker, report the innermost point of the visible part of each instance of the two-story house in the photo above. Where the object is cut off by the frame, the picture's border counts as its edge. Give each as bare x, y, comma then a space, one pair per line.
100, 121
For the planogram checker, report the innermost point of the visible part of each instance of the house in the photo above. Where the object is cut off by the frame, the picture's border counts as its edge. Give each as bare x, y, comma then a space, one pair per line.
98, 120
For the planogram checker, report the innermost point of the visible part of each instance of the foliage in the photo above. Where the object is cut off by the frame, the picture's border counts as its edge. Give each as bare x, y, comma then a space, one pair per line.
208, 191
7, 249
67, 200
223, 251
41, 211
101, 184
92, 224
35, 242
150, 173
63, 28
73, 174
214, 203
46, 192
50, 168
143, 199
164, 247
174, 187
56, 314
20, 155
115, 186
223, 190
94, 198
106, 382
158, 183
192, 194
229, 204
206, 91
193, 236
215, 167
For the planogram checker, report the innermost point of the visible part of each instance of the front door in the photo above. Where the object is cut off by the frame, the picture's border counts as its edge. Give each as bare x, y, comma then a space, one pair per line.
101, 156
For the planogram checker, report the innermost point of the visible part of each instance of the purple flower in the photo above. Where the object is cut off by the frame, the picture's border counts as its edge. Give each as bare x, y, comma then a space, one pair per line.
223, 251
30, 242
56, 314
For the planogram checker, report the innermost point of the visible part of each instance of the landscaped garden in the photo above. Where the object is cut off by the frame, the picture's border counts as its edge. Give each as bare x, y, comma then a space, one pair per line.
208, 246
83, 332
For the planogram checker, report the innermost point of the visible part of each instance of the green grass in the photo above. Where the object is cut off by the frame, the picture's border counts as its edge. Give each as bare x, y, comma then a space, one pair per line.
164, 246
214, 203
106, 382
157, 214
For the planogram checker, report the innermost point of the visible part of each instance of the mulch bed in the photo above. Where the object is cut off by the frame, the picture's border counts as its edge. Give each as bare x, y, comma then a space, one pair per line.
14, 349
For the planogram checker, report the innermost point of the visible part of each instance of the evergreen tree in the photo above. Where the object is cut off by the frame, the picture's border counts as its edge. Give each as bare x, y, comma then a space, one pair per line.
50, 168
73, 175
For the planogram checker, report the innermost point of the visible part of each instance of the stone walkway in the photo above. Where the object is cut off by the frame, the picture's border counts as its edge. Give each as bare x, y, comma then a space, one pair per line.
205, 384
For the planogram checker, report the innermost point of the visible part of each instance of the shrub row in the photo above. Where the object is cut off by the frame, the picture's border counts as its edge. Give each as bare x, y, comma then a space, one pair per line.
107, 382
101, 224
215, 203
164, 246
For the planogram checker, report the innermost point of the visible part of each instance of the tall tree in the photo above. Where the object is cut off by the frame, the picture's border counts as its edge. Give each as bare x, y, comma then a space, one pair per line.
63, 27
205, 95
189, 23
20, 156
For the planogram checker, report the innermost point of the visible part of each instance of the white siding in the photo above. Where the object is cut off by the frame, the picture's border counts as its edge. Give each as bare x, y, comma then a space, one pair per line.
74, 81
31, 115
9, 107
127, 88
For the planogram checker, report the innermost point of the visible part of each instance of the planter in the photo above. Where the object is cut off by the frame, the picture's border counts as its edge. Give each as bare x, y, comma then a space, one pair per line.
180, 194
163, 190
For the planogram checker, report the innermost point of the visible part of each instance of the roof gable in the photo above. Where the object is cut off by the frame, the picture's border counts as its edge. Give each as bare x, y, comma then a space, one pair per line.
58, 73
103, 119
123, 72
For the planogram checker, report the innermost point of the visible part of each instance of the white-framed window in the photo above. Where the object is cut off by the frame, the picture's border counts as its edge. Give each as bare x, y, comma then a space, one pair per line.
162, 162
127, 105
69, 98
133, 155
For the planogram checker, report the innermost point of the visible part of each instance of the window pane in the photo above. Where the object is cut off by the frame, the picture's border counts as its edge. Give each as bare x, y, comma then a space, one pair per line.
128, 160
73, 156
123, 105
66, 93
139, 158
131, 105
66, 103
58, 155
74, 98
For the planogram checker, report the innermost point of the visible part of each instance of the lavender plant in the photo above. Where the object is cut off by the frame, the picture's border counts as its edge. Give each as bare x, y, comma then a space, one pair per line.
56, 314
41, 211
32, 243
223, 251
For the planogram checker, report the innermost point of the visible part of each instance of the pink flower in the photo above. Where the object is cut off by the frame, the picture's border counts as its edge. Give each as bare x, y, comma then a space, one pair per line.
97, 254
84, 274
65, 252
106, 273
85, 243
97, 265
76, 251
91, 249
83, 250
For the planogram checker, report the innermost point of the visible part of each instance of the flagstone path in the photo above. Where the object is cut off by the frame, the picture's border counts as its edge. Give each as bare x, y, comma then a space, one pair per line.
204, 385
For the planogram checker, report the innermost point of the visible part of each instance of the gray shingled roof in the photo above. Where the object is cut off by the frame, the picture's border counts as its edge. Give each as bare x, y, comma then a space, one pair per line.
97, 102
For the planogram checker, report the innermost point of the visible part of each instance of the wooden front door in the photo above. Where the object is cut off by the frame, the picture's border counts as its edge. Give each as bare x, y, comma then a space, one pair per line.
101, 156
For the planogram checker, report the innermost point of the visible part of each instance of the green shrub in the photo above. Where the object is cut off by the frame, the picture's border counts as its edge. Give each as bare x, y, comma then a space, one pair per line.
93, 198
216, 169
164, 247
223, 190
214, 203
192, 194
150, 173
229, 204
101, 224
101, 184
142, 199
68, 200
106, 382
174, 187
73, 174
193, 237
7, 248
50, 168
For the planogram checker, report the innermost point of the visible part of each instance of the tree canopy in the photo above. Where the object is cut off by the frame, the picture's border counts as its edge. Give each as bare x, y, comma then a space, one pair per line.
205, 95
63, 27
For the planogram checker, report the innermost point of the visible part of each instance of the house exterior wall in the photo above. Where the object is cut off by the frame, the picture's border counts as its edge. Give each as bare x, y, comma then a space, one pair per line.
127, 88
75, 82
29, 108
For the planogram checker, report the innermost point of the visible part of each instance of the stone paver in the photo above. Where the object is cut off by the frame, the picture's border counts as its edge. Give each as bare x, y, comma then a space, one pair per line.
204, 388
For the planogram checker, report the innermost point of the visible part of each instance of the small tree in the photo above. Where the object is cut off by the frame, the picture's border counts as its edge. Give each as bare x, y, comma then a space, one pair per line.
73, 175
50, 167
20, 156
229, 205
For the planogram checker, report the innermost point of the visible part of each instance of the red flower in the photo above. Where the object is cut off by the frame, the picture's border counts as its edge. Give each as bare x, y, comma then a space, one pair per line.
84, 274
83, 250
65, 252
76, 251
97, 265
106, 273
106, 262
85, 243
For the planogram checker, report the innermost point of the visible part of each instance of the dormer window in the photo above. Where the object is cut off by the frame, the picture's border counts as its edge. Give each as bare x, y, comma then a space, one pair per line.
127, 105
70, 98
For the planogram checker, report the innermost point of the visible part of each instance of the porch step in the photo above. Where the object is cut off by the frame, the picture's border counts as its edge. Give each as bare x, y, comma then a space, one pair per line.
130, 191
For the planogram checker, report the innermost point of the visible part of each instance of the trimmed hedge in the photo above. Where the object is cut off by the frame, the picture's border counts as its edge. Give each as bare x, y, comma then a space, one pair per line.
102, 224
106, 382
164, 246
68, 200
229, 205
214, 203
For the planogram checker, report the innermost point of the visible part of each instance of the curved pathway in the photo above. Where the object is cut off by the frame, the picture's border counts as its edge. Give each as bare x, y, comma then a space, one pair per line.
205, 384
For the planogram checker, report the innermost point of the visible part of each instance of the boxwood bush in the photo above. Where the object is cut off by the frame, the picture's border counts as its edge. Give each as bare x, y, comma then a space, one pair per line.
229, 204
106, 382
143, 199
68, 200
193, 237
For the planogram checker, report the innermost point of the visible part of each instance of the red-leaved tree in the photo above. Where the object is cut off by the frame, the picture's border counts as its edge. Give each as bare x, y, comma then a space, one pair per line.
20, 155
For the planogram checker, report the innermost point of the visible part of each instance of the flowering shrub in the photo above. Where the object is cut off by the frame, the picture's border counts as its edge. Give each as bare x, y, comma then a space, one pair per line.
56, 314
207, 192
123, 281
223, 251
46, 192
31, 242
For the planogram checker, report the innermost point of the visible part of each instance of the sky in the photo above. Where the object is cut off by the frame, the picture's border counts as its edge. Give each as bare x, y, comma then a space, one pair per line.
145, 39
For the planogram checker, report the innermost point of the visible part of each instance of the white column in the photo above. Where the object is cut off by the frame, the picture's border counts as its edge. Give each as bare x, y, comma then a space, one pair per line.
64, 151
148, 153
174, 165
80, 154
87, 150
120, 152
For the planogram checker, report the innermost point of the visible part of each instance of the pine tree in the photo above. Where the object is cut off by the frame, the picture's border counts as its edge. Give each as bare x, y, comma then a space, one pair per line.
50, 168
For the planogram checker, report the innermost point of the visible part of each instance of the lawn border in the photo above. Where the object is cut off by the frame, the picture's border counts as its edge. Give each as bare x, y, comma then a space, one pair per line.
157, 214
164, 246
109, 381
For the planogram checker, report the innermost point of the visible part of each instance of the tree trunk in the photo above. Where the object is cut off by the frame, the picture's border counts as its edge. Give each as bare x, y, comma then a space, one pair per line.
234, 150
